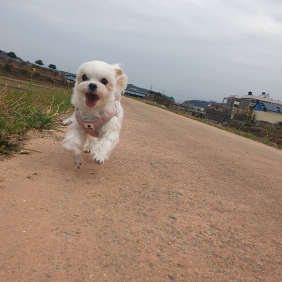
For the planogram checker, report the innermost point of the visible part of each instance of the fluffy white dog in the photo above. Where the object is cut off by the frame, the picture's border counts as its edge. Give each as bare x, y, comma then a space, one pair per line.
98, 115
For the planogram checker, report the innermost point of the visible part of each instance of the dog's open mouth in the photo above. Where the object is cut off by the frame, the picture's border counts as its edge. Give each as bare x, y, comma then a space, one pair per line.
91, 99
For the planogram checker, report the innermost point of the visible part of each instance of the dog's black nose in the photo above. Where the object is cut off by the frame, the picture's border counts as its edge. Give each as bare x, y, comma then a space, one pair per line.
92, 86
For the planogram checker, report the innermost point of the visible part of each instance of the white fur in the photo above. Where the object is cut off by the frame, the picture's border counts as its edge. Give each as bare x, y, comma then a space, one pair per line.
77, 138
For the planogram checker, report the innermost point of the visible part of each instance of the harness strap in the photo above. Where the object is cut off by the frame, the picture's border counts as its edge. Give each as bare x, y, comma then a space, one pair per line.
92, 127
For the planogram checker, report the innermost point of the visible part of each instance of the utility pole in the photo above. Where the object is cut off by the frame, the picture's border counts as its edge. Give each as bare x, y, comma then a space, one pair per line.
187, 104
150, 91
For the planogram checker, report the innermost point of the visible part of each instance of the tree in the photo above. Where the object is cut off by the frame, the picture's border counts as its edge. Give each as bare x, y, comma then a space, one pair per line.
12, 55
51, 66
39, 62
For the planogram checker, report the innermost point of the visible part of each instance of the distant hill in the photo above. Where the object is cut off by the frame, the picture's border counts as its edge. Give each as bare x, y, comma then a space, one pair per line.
137, 88
4, 55
197, 103
23, 70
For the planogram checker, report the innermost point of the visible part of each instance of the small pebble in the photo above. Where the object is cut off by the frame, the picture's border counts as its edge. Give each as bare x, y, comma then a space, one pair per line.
171, 277
259, 262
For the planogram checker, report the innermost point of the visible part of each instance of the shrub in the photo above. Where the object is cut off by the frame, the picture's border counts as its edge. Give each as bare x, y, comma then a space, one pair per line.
52, 66
24, 72
259, 132
39, 62
36, 74
33, 118
8, 67
12, 55
278, 141
7, 146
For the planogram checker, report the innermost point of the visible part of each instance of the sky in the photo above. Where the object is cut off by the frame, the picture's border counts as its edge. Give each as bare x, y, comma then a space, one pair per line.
188, 49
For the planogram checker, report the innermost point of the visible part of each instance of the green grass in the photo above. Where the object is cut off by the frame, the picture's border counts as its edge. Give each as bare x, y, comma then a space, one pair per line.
23, 110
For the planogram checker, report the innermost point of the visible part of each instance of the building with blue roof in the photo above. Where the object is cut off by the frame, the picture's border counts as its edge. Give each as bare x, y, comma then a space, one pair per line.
70, 77
268, 113
264, 106
266, 110
135, 94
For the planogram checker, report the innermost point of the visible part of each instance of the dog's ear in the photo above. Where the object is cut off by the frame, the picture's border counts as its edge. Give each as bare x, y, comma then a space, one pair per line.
121, 78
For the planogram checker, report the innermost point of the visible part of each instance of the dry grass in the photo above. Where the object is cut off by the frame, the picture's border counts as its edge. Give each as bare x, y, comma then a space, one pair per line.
29, 108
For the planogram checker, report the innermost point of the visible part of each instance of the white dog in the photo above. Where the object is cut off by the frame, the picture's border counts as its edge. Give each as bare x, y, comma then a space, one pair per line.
98, 115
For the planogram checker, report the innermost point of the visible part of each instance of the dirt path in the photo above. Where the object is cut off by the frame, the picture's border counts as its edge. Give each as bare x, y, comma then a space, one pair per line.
177, 201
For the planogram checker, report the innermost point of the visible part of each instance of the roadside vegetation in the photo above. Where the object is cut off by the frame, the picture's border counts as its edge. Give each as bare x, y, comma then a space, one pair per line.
245, 127
38, 107
22, 110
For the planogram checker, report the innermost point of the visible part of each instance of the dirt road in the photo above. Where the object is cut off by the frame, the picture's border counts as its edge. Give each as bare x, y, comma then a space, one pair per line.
177, 201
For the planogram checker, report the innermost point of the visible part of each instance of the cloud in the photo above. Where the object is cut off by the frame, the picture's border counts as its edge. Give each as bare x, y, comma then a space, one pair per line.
207, 48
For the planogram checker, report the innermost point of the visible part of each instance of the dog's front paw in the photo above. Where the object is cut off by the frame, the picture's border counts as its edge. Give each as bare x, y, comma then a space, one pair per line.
77, 161
98, 159
86, 150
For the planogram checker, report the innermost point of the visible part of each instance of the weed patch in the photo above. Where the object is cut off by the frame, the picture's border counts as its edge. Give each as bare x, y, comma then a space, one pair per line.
24, 110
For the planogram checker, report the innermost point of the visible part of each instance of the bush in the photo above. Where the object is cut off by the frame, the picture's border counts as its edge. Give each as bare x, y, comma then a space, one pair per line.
36, 74
12, 55
257, 131
34, 118
51, 66
278, 141
24, 72
39, 62
275, 138
7, 146
8, 67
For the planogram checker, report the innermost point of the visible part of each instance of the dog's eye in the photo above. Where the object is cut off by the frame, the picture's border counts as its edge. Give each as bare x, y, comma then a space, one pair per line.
104, 81
84, 77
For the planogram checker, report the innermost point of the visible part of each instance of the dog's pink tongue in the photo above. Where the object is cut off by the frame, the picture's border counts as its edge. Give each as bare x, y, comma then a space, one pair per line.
91, 99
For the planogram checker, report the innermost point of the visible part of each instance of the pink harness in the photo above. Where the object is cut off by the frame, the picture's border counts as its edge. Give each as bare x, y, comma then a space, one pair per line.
92, 127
